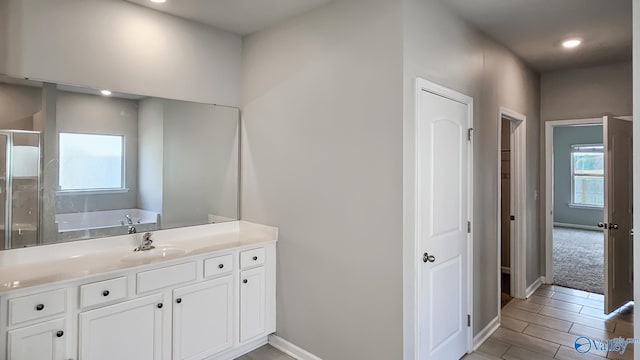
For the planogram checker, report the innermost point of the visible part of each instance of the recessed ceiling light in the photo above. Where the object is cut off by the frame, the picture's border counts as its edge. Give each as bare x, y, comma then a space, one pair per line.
105, 92
571, 43
158, 1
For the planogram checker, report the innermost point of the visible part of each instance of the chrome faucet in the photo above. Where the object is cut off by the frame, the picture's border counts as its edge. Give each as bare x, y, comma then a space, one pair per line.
131, 229
145, 244
129, 221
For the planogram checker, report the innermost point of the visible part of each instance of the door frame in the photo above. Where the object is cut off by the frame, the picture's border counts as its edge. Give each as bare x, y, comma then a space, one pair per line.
412, 254
548, 186
518, 253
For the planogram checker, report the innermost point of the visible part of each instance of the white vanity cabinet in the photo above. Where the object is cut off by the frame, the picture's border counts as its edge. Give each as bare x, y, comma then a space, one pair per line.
216, 305
36, 327
203, 319
252, 303
43, 341
129, 330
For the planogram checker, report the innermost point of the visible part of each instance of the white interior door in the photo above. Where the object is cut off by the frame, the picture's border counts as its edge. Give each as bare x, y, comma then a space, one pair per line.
618, 213
442, 219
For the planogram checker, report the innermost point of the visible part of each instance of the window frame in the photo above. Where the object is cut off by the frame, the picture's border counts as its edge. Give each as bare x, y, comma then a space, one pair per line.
95, 191
573, 203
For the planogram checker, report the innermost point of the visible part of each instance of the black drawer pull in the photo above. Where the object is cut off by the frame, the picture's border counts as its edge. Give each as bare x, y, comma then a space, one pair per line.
105, 293
245, 281
60, 333
40, 307
159, 305
255, 258
220, 266
179, 300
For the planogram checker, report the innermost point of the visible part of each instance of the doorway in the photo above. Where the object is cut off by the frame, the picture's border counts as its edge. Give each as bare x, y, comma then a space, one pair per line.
442, 206
505, 213
578, 207
511, 206
612, 178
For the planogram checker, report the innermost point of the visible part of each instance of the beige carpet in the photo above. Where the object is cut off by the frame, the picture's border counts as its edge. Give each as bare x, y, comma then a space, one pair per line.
578, 259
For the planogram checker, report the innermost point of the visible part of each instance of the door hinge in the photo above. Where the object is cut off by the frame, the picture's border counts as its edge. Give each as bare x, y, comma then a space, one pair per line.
469, 131
468, 320
468, 227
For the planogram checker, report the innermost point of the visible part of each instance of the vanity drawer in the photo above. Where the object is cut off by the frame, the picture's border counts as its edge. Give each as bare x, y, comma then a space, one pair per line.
167, 276
218, 265
37, 306
103, 292
251, 258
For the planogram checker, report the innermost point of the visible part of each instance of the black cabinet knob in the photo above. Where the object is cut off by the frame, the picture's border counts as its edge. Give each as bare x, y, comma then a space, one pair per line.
255, 258
105, 293
245, 281
179, 300
159, 305
40, 307
220, 266
60, 333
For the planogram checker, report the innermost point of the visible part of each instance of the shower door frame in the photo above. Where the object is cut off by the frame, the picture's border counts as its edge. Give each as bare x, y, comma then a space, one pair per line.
8, 202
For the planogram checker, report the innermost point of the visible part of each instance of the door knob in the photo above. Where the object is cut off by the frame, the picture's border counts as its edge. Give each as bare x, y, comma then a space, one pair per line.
428, 258
613, 226
602, 225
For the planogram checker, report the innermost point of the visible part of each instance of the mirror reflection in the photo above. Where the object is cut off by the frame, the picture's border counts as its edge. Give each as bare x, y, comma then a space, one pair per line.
78, 164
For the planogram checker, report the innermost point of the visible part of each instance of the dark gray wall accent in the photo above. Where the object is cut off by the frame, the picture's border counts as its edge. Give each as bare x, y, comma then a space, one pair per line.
563, 138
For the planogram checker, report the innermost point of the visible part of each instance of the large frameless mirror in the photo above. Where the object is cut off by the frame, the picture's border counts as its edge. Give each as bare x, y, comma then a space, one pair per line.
78, 164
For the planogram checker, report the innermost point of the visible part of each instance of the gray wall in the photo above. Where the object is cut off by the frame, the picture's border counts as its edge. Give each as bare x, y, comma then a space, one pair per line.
19, 103
119, 46
200, 163
188, 161
582, 93
150, 154
91, 114
322, 160
563, 138
468, 62
587, 92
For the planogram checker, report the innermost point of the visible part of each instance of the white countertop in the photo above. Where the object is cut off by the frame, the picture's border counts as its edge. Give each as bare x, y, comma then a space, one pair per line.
23, 268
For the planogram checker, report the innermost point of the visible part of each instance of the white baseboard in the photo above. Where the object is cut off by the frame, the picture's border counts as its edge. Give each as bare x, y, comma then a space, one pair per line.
533, 287
291, 349
576, 226
484, 334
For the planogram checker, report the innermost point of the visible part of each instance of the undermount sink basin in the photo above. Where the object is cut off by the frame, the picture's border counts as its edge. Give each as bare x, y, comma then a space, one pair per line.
162, 253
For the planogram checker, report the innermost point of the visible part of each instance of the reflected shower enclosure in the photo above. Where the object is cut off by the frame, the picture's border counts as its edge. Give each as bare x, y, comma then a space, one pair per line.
20, 176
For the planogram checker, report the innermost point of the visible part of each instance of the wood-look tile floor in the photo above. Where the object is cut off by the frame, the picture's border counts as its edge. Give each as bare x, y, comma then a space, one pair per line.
543, 327
266, 352
546, 325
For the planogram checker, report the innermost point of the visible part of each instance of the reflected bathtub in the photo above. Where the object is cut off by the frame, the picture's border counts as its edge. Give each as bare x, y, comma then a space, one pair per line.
85, 225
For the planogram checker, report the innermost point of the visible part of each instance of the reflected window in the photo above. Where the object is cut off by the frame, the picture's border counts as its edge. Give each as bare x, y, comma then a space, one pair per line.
91, 161
587, 175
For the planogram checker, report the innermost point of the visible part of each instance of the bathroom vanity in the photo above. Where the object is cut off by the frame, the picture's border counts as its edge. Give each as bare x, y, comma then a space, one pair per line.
203, 292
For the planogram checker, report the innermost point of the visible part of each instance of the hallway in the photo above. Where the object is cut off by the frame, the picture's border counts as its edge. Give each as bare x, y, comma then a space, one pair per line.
546, 326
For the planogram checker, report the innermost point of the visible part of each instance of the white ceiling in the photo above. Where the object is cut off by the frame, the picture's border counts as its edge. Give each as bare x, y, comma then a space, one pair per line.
238, 16
535, 29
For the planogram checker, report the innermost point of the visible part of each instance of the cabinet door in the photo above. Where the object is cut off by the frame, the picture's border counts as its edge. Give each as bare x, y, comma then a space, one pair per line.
252, 303
203, 319
128, 331
44, 341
